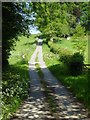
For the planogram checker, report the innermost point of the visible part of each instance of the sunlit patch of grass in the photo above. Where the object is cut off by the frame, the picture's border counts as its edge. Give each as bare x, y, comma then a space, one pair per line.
49, 57
23, 49
67, 44
79, 86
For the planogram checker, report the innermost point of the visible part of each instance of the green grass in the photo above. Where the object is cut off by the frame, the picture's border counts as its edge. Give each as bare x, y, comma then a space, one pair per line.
75, 45
67, 44
77, 84
15, 88
16, 80
49, 57
24, 46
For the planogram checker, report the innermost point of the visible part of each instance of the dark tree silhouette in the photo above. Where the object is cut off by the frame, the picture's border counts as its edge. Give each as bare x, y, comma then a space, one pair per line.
14, 22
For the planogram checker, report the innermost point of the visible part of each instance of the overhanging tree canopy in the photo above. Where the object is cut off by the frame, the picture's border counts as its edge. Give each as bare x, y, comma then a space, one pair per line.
52, 19
15, 21
59, 19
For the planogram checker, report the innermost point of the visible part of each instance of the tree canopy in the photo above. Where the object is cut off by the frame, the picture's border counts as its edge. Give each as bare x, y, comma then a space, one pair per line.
61, 19
15, 21
53, 20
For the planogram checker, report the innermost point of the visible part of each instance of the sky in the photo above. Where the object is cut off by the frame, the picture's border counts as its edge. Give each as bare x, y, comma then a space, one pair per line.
34, 30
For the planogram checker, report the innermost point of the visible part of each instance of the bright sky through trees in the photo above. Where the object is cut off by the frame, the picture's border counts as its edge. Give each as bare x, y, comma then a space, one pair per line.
34, 30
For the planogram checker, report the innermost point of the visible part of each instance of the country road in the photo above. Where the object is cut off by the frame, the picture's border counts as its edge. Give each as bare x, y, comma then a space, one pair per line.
36, 106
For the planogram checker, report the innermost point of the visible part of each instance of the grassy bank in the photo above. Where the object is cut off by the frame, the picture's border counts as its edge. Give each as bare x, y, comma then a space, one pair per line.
79, 85
16, 82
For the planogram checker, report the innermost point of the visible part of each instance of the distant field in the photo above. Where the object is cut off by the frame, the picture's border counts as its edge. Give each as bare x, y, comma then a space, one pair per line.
75, 45
67, 44
24, 48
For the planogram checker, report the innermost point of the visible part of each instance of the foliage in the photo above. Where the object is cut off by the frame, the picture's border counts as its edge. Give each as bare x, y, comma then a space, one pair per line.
55, 39
76, 64
64, 53
51, 23
80, 43
59, 19
16, 82
15, 21
14, 89
79, 85
52, 19
85, 21
74, 61
79, 31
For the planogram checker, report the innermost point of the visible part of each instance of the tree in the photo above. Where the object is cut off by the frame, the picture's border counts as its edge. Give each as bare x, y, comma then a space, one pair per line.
58, 19
79, 30
54, 18
15, 22
85, 17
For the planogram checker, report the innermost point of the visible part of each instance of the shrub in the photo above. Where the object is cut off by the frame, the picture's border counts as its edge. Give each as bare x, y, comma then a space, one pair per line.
76, 64
53, 47
65, 59
65, 55
79, 44
79, 31
74, 61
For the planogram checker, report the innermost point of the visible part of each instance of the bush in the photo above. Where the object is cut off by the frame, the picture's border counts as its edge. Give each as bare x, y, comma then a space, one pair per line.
65, 59
79, 31
76, 64
65, 55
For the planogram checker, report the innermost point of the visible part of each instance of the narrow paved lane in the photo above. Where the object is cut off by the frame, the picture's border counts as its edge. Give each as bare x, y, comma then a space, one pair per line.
36, 108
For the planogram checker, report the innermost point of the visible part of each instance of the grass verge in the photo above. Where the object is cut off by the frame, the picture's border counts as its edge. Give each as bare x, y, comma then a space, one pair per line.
15, 78
79, 85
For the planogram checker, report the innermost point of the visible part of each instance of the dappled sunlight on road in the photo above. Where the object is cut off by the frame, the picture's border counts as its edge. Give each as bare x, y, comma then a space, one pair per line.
36, 106
33, 109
